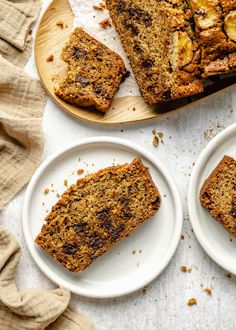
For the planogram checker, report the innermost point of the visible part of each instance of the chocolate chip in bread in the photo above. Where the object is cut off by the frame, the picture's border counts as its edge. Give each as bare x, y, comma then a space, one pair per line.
98, 211
218, 194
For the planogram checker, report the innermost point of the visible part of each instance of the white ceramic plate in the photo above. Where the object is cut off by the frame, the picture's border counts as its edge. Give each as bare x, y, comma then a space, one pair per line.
133, 262
216, 241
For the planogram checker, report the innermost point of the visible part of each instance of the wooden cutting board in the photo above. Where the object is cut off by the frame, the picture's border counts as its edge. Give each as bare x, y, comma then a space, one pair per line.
49, 40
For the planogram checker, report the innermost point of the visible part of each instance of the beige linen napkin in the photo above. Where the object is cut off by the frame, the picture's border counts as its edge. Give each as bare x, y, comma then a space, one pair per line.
22, 309
22, 101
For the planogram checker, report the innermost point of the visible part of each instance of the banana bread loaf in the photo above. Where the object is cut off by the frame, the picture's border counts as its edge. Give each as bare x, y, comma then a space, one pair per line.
215, 23
96, 212
94, 72
159, 42
218, 194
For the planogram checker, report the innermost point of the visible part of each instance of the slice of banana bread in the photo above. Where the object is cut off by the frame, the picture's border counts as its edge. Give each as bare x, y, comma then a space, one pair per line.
216, 29
96, 212
218, 194
94, 72
159, 42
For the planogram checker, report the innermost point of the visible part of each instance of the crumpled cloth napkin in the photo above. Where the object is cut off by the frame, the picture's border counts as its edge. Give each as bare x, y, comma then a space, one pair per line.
22, 309
22, 101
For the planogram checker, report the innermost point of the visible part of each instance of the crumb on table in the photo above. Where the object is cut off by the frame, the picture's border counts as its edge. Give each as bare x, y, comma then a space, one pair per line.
80, 171
105, 23
208, 291
182, 237
192, 301
65, 183
50, 58
186, 269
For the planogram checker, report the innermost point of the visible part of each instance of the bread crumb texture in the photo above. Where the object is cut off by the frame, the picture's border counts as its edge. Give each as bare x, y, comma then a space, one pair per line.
218, 194
98, 211
93, 75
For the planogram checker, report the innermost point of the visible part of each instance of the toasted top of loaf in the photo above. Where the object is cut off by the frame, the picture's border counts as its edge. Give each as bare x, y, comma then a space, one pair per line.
218, 194
160, 44
96, 212
94, 72
215, 22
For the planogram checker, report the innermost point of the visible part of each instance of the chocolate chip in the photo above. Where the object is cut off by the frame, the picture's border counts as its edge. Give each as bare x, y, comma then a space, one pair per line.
132, 27
120, 6
70, 248
147, 64
138, 49
82, 80
156, 204
79, 52
99, 90
96, 241
107, 225
80, 227
104, 214
167, 94
116, 232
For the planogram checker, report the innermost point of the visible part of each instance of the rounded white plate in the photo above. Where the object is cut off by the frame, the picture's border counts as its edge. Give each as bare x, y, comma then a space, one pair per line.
216, 241
133, 262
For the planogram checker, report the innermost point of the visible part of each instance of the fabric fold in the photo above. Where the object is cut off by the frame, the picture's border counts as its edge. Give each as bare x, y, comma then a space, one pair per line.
22, 100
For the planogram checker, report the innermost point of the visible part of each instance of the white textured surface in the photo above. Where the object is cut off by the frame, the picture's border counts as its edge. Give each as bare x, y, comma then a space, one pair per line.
163, 305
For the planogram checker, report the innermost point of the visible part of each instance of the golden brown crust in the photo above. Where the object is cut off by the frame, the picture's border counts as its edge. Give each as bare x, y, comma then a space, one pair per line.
218, 194
98, 211
159, 42
215, 23
94, 72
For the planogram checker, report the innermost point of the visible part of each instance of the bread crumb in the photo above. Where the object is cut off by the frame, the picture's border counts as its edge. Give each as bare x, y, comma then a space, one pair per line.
30, 32
134, 109
105, 23
50, 58
192, 301
182, 237
80, 171
208, 291
100, 7
46, 191
58, 195
229, 275
186, 269
157, 137
134, 251
66, 183
60, 24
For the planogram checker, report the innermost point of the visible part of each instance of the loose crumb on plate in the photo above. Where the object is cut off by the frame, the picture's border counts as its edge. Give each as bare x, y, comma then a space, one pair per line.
182, 237
80, 171
50, 58
192, 301
46, 191
105, 23
65, 183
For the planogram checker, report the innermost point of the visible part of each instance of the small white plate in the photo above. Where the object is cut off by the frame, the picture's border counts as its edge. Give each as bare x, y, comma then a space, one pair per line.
133, 262
216, 241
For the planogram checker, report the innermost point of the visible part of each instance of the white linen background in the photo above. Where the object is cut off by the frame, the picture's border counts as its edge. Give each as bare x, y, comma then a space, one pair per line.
162, 306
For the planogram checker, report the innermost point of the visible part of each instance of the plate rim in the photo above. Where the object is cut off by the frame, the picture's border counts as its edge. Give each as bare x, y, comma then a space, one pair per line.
193, 215
156, 163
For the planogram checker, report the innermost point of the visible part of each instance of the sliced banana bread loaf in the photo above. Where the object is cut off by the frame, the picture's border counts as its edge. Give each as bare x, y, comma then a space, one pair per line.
218, 194
96, 212
216, 29
94, 72
159, 42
